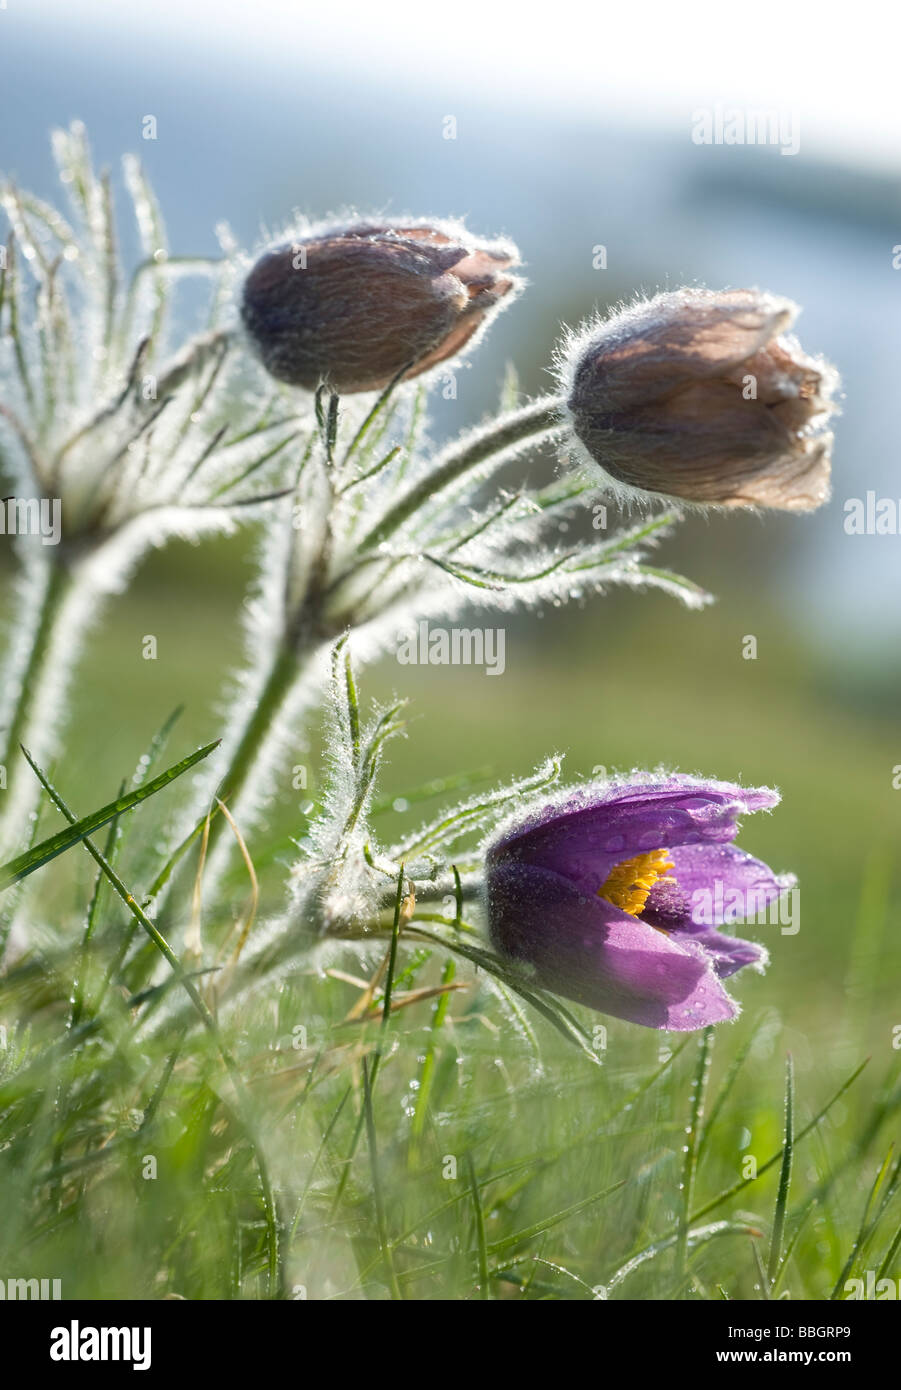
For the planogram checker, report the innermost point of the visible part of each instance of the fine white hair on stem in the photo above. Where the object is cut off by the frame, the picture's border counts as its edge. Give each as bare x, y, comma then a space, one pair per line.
130, 432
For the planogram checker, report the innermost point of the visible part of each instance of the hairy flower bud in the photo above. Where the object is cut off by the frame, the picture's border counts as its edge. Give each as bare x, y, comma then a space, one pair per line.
698, 396
353, 306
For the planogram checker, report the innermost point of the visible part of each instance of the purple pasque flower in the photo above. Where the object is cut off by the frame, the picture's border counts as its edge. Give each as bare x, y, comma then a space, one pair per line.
613, 893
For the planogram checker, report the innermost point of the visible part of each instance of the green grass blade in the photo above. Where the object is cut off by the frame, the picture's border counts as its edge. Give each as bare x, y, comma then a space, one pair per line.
785, 1176
696, 1236
484, 1288
378, 1198
178, 854
35, 858
890, 1254
78, 985
392, 957
762, 1275
690, 1164
275, 1266
379, 1047
549, 1007
499, 1246
865, 1229
765, 1167
427, 1071
725, 1089
800, 1224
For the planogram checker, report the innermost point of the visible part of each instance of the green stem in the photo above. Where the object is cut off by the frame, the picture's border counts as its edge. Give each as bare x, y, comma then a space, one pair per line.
538, 418
541, 417
57, 585
279, 683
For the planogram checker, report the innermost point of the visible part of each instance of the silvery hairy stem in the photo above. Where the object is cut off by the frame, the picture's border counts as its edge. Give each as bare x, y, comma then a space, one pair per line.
44, 646
313, 626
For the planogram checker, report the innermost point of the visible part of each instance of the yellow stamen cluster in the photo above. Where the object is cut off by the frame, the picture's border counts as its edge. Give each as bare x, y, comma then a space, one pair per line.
629, 884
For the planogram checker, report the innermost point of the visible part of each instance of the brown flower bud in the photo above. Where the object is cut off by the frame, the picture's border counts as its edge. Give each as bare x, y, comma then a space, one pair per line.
352, 306
696, 395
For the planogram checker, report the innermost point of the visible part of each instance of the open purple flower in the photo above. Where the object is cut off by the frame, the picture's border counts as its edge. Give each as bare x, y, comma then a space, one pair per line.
613, 895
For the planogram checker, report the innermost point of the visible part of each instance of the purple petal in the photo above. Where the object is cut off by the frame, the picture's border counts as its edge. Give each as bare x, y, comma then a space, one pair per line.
727, 953
669, 907
583, 836
724, 884
584, 948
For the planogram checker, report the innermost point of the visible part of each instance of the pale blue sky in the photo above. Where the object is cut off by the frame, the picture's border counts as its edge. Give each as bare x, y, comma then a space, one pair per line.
651, 62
